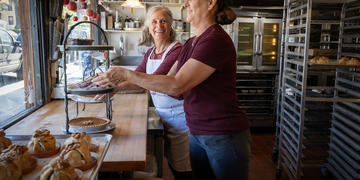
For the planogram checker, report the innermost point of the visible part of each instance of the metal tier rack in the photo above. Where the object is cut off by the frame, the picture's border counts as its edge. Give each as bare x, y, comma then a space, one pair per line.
256, 95
305, 109
344, 151
64, 48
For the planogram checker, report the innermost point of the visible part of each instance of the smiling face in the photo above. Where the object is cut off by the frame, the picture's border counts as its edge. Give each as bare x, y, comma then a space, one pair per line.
196, 10
160, 26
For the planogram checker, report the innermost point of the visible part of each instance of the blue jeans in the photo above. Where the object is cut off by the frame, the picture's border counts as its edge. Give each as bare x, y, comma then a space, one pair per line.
220, 157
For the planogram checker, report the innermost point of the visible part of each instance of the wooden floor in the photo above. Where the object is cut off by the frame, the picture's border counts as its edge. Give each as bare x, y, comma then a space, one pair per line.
261, 165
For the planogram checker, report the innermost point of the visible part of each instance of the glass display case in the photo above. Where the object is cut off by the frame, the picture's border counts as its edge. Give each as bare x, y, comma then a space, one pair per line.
257, 42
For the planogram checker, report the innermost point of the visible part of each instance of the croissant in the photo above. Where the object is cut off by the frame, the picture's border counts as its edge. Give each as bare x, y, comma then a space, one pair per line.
58, 169
42, 142
4, 142
9, 167
76, 154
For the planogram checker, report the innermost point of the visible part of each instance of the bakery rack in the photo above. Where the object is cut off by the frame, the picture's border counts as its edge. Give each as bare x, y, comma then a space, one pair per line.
64, 48
344, 151
305, 107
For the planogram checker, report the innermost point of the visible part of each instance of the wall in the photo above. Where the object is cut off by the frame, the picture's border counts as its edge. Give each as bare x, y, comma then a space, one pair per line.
132, 38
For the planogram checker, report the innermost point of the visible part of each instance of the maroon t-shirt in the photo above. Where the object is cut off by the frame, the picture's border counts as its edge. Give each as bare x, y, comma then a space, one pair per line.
166, 65
211, 107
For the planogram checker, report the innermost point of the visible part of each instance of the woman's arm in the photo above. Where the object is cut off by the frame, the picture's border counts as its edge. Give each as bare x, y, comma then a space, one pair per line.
192, 73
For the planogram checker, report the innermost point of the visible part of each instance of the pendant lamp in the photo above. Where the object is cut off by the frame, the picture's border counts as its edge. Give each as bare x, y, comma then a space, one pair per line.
132, 4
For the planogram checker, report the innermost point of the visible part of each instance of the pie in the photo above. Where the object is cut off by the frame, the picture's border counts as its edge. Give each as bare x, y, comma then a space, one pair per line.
88, 122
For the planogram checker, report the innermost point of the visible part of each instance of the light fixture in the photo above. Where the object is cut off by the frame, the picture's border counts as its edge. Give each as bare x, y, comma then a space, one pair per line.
132, 4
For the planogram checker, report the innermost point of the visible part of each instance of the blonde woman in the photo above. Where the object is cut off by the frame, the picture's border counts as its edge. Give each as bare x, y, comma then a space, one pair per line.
158, 60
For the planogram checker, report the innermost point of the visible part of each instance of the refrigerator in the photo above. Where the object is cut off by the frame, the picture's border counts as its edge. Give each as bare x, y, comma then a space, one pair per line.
257, 42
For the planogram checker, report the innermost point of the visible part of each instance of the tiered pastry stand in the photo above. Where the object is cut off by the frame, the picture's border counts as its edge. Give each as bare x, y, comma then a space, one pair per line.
64, 48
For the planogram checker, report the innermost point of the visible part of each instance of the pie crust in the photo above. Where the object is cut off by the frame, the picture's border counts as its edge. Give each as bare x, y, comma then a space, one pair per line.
88, 122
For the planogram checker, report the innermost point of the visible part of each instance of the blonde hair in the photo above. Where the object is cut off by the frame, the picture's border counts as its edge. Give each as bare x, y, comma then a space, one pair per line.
146, 38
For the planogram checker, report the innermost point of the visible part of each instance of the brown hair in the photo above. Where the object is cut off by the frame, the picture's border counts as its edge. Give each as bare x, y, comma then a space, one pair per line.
224, 14
146, 38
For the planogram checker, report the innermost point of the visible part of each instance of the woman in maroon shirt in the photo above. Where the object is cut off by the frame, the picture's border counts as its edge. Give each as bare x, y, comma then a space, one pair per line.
205, 75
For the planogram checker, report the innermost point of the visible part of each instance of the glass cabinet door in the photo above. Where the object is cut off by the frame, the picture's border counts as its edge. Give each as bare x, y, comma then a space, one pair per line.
245, 43
270, 45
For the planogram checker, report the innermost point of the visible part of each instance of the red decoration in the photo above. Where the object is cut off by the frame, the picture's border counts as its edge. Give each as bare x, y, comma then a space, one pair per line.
94, 15
97, 17
66, 2
75, 18
71, 6
89, 12
83, 5
81, 0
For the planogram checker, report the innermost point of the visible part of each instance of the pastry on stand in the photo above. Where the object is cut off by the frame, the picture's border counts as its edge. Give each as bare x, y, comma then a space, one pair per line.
9, 167
26, 161
4, 141
43, 144
58, 169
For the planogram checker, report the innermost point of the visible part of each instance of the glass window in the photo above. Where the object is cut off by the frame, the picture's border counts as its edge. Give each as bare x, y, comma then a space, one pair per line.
11, 20
17, 88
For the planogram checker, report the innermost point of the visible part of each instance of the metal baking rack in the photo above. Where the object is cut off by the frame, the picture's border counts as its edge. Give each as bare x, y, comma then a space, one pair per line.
344, 151
64, 48
304, 116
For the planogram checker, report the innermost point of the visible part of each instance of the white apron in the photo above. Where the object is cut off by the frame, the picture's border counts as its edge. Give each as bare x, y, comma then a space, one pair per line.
172, 115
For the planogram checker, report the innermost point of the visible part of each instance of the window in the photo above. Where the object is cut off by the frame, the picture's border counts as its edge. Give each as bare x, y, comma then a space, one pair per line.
11, 20
19, 88
10, 5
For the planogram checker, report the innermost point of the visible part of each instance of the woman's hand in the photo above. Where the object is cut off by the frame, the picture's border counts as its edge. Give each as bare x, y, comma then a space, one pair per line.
111, 77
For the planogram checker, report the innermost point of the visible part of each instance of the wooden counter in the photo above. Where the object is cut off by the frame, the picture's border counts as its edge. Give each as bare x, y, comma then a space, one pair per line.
127, 150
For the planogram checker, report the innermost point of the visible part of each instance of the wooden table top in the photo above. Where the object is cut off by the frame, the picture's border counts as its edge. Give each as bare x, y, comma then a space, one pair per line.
127, 149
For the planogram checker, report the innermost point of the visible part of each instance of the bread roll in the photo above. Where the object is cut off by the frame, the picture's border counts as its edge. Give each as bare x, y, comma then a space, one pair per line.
343, 60
353, 61
323, 60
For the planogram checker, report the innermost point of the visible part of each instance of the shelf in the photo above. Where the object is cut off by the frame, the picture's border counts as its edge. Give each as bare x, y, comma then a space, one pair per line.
122, 31
150, 3
85, 47
323, 99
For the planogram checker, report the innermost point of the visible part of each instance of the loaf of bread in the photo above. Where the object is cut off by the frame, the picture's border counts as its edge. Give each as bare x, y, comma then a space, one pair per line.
344, 60
4, 141
58, 169
353, 61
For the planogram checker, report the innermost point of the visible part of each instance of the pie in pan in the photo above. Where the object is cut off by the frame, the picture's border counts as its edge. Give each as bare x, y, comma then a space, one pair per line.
88, 122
